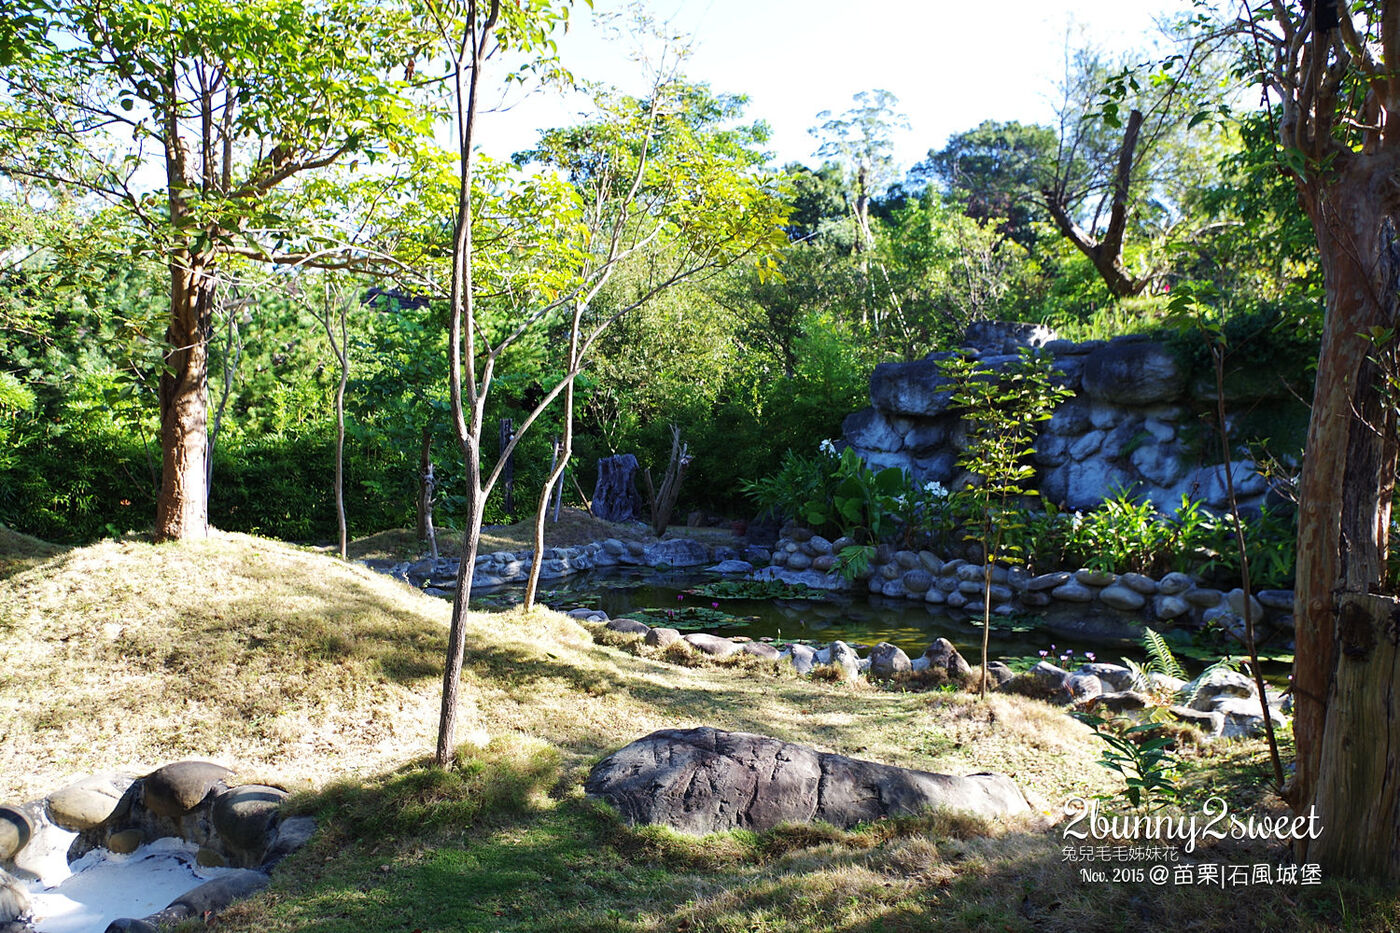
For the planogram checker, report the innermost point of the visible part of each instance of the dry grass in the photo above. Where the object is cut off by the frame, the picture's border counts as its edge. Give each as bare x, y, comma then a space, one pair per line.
574, 527
291, 665
19, 551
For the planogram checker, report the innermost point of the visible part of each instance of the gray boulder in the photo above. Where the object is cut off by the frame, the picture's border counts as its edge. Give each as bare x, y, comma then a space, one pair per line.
705, 780
803, 658
1132, 371
676, 552
628, 626
843, 656
14, 902
886, 660
713, 645
943, 656
83, 804
660, 637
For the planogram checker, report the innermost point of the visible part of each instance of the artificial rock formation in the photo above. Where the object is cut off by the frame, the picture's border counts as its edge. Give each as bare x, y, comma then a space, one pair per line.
1134, 422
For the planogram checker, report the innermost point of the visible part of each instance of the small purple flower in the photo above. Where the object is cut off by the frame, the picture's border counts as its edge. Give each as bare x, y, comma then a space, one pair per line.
714, 605
1043, 653
680, 596
1090, 655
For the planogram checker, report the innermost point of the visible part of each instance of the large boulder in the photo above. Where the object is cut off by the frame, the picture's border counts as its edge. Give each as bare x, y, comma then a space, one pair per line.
706, 780
867, 429
1132, 371
676, 552
886, 660
917, 388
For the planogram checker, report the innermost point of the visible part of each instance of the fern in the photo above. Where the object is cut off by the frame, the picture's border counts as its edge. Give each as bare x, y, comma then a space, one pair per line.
1160, 657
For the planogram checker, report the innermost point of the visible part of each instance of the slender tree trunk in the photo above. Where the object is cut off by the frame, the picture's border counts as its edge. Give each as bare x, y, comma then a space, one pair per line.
566, 450
462, 346
425, 466
343, 354
1347, 667
182, 511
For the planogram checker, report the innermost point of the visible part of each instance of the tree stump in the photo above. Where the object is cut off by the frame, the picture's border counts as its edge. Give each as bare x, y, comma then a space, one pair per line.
615, 497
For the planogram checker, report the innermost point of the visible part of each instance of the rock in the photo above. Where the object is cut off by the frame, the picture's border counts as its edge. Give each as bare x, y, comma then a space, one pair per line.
917, 582
16, 829
712, 645
843, 656
1048, 581
614, 547
662, 637
956, 600
1115, 677
798, 561
292, 833
1203, 692
803, 658
211, 897
886, 660
585, 614
1139, 583
83, 804
126, 841
628, 626
970, 573
1174, 583
676, 552
1035, 600
731, 566
1125, 701
931, 562
1280, 600
1211, 723
1082, 686
1132, 371
1244, 717
935, 596
1073, 592
1235, 598
705, 780
245, 818
760, 649
615, 496
1095, 577
1120, 597
14, 902
1166, 608
998, 673
1203, 597
918, 388
868, 429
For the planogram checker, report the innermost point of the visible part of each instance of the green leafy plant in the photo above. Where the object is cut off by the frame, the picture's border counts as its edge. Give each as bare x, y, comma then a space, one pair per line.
1147, 765
1001, 409
860, 503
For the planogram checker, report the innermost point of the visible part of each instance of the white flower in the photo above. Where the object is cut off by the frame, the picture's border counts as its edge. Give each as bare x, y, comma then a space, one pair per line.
935, 489
828, 447
899, 500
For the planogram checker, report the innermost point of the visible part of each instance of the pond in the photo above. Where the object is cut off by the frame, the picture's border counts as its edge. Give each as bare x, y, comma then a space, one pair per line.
668, 598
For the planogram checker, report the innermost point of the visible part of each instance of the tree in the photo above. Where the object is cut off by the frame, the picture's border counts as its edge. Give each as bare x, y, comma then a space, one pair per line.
994, 171
229, 101
1331, 66
861, 141
710, 203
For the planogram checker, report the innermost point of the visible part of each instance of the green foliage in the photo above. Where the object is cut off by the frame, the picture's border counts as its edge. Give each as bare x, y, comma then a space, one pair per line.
859, 501
1147, 765
1160, 658
755, 589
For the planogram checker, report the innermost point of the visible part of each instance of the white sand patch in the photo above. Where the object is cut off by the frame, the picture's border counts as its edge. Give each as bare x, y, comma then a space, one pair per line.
101, 886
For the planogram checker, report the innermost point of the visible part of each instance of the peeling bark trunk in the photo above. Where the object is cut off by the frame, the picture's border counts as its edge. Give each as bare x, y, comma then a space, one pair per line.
1346, 721
182, 511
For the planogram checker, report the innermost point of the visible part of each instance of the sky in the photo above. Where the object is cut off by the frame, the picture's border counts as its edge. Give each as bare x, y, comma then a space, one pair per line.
951, 65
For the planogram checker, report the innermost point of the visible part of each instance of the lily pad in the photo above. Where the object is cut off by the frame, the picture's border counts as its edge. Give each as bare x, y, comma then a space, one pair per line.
754, 589
690, 618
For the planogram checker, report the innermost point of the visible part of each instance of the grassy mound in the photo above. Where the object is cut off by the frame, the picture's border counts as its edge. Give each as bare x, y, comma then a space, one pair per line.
19, 551
293, 667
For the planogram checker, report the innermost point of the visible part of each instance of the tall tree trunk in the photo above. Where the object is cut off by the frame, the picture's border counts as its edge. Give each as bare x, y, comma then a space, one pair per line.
1347, 668
182, 511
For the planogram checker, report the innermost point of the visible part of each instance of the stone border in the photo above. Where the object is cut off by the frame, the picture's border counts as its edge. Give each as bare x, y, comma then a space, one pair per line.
503, 568
238, 826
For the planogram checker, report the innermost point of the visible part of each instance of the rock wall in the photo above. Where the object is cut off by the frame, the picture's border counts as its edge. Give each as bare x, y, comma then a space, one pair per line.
1084, 603
1133, 422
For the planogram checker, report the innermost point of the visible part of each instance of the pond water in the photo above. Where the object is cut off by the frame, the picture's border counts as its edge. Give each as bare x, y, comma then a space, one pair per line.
852, 618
